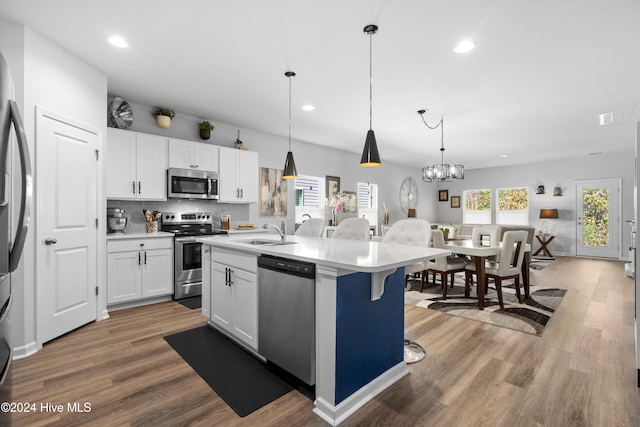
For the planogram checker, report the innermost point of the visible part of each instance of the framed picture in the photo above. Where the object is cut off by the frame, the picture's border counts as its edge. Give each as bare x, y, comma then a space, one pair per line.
333, 186
349, 202
443, 195
273, 193
455, 201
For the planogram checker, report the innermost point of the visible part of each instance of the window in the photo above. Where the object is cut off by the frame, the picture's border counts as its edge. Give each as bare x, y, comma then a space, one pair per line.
477, 207
367, 195
513, 206
368, 202
309, 197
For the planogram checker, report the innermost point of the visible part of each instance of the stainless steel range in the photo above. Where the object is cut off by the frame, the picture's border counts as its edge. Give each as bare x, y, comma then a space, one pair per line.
187, 252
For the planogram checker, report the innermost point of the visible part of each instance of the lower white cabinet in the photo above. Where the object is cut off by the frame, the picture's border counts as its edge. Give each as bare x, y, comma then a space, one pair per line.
234, 294
139, 268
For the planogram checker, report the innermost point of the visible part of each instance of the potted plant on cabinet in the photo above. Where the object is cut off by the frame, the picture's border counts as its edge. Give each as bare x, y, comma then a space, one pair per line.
163, 116
205, 129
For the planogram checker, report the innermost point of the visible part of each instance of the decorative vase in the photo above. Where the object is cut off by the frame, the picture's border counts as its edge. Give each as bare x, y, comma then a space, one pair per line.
445, 232
334, 219
205, 133
164, 121
152, 226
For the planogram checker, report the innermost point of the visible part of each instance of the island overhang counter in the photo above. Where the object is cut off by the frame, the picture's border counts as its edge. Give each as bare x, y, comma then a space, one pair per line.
359, 313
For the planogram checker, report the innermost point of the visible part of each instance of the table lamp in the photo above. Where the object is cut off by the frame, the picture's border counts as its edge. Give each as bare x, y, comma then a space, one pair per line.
548, 226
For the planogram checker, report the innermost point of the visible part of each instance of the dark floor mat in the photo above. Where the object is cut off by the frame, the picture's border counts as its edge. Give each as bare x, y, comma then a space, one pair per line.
242, 381
192, 302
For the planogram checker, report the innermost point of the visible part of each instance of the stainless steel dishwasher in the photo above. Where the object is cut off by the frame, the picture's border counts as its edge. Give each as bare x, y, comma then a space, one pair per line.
286, 315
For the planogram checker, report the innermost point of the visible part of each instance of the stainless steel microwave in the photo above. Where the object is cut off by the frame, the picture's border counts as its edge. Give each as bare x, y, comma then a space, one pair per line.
192, 184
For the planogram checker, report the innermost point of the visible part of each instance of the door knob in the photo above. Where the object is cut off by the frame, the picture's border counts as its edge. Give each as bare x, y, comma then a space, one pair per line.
50, 241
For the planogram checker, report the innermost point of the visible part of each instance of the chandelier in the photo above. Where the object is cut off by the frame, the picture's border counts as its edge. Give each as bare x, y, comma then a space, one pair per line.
442, 171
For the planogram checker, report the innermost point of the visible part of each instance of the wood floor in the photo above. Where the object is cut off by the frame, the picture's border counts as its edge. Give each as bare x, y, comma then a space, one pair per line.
580, 372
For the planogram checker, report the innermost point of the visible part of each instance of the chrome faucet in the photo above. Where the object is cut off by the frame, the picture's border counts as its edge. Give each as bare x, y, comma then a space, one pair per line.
282, 230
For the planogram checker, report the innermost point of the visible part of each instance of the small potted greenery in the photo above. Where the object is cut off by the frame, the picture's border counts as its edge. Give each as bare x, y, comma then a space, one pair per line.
163, 116
205, 129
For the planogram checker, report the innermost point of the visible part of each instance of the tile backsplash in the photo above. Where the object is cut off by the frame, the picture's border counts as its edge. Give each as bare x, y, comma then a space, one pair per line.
134, 208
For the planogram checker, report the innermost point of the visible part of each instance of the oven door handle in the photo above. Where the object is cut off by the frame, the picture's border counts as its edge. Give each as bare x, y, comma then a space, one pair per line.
186, 239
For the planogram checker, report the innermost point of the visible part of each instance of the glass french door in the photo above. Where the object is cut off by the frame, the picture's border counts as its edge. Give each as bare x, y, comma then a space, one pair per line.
598, 218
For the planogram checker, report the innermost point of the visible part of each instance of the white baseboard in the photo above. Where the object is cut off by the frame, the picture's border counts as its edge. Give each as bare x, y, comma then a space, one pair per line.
334, 415
138, 303
26, 350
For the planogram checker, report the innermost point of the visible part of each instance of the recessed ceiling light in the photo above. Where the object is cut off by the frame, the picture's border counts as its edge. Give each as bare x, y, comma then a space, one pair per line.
504, 155
464, 46
308, 107
118, 41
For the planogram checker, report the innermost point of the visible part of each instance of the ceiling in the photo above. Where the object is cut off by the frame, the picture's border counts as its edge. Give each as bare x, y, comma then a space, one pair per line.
533, 88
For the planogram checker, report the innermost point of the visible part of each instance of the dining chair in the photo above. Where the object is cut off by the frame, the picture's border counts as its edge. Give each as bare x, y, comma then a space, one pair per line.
313, 227
352, 229
486, 236
509, 266
414, 232
444, 266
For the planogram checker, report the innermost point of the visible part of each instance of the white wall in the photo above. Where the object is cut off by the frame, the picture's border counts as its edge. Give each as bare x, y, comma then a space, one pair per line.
310, 159
561, 173
47, 76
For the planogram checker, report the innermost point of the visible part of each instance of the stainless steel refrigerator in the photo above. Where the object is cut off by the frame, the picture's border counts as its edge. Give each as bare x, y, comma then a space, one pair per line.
15, 187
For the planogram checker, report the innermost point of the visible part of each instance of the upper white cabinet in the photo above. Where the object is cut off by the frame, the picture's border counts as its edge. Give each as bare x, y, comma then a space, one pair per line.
193, 155
136, 166
238, 176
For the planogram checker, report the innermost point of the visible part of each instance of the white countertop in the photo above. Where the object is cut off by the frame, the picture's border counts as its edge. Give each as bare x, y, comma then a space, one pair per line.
134, 234
355, 255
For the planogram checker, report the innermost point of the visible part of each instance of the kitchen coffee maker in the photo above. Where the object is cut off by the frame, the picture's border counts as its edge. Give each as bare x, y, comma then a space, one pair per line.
117, 221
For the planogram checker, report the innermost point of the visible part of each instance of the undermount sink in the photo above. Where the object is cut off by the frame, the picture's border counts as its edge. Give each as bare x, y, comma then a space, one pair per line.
266, 242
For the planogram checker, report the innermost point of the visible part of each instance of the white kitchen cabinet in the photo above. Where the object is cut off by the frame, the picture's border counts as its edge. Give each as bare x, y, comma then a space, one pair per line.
193, 155
238, 176
139, 269
234, 294
136, 166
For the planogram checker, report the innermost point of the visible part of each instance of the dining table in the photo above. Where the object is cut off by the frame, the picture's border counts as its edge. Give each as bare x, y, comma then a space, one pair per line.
480, 253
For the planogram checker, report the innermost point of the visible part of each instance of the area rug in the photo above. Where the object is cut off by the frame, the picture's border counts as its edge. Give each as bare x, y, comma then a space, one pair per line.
531, 316
540, 263
242, 381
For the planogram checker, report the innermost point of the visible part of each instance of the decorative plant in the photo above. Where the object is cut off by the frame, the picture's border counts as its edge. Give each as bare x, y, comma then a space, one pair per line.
159, 111
205, 125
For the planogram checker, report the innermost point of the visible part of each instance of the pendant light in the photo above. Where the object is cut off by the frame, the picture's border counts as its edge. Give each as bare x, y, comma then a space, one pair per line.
370, 156
290, 171
440, 172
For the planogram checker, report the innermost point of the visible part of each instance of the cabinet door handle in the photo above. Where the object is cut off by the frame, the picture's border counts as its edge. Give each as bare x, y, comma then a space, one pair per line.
145, 257
226, 276
133, 187
242, 193
139, 187
139, 259
230, 277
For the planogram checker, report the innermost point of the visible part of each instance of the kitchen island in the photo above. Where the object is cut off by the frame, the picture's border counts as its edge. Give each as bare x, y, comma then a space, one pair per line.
359, 312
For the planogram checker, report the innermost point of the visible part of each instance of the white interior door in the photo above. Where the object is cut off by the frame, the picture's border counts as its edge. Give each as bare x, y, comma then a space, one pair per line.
598, 218
66, 231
